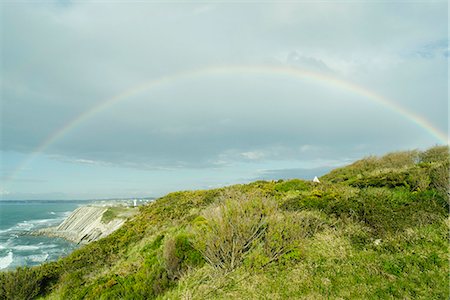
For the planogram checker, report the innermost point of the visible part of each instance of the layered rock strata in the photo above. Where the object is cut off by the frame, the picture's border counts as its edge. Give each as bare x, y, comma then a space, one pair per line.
84, 225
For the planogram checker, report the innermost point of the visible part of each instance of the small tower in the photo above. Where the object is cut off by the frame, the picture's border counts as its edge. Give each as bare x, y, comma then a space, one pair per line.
316, 180
135, 202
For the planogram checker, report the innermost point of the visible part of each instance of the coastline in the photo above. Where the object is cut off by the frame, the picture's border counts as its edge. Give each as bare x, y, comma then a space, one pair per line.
89, 223
29, 235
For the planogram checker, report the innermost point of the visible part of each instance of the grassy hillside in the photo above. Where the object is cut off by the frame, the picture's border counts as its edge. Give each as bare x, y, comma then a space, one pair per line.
375, 229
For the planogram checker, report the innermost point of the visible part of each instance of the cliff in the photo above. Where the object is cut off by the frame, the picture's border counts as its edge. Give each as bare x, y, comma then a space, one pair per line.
86, 224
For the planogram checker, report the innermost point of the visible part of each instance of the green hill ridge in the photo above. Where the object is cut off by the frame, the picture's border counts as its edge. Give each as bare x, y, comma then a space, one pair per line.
375, 229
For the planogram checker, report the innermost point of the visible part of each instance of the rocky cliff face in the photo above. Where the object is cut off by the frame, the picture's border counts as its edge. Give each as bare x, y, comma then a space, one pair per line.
84, 225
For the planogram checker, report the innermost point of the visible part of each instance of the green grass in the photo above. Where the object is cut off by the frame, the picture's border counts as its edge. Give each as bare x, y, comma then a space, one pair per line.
116, 212
376, 229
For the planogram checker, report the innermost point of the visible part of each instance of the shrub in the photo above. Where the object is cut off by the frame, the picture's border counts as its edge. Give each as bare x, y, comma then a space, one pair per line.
399, 159
412, 169
28, 283
386, 210
149, 279
435, 154
285, 231
292, 185
375, 210
244, 225
23, 283
74, 285
179, 255
233, 228
332, 199
418, 179
439, 177
112, 213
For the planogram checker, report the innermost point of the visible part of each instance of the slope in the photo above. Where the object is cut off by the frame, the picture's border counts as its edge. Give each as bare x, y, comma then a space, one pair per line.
374, 229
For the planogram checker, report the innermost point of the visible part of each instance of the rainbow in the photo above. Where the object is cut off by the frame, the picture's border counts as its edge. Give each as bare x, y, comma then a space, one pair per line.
236, 69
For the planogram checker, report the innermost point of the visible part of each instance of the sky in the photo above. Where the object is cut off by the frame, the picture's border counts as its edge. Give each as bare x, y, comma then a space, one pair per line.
111, 99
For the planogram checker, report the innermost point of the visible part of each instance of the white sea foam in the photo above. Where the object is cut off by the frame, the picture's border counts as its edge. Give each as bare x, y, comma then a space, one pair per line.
42, 222
6, 260
31, 224
66, 213
38, 257
5, 230
17, 248
49, 246
25, 225
25, 247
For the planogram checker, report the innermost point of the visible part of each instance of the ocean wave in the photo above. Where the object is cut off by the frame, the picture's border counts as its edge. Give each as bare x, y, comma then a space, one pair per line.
5, 230
60, 216
38, 257
46, 246
25, 247
29, 225
41, 221
5, 261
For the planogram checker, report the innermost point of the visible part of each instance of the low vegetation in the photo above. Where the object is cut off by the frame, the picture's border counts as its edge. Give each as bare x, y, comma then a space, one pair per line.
118, 212
375, 229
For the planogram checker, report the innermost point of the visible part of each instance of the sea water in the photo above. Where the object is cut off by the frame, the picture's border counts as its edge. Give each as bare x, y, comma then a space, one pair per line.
19, 218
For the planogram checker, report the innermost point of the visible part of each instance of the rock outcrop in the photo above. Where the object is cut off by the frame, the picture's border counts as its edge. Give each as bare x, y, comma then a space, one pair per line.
84, 225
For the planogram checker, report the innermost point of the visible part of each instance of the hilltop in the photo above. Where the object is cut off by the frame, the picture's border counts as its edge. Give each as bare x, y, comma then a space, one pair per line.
374, 229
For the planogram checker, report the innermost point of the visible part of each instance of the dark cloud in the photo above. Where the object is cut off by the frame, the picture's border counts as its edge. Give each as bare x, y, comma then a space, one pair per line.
61, 59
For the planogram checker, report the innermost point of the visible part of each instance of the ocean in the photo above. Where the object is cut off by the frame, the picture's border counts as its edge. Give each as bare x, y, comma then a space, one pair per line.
18, 218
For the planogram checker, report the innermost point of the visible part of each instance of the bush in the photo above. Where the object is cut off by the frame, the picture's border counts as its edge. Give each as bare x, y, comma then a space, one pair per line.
435, 154
333, 199
386, 210
233, 228
285, 231
412, 169
179, 255
381, 209
23, 283
375, 210
112, 213
147, 280
244, 225
292, 185
439, 177
399, 159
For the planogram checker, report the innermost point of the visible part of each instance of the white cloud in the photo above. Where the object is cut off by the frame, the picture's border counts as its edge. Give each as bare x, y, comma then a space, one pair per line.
86, 161
253, 155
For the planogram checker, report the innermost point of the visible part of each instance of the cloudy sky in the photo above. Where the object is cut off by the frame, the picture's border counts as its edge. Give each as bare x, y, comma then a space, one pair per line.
122, 99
